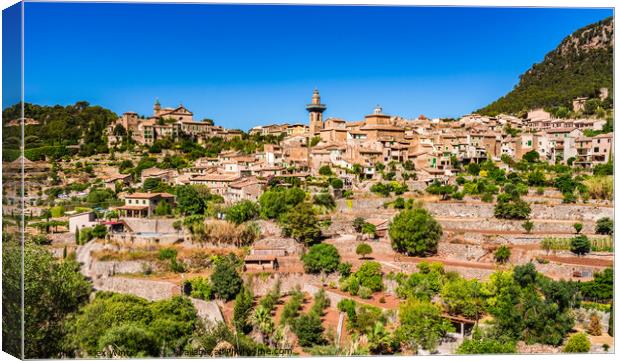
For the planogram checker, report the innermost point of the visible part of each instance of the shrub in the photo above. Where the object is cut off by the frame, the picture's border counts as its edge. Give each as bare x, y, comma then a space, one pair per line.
594, 326
345, 269
167, 253
580, 245
199, 288
242, 212
487, 198
325, 171
577, 343
321, 258
364, 292
578, 227
518, 209
605, 226
336, 183
502, 254
324, 199
528, 226
370, 275
415, 232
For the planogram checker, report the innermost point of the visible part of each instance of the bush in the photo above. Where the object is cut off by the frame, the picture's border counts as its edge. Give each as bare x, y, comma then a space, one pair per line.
518, 209
199, 288
605, 226
345, 269
336, 183
242, 212
502, 254
528, 226
415, 232
594, 326
364, 292
578, 227
324, 199
370, 275
577, 343
325, 171
167, 253
321, 258
580, 245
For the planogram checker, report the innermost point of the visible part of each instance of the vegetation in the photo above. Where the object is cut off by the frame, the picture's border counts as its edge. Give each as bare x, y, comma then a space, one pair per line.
301, 224
577, 343
421, 324
571, 70
415, 232
363, 250
132, 326
225, 280
321, 258
502, 254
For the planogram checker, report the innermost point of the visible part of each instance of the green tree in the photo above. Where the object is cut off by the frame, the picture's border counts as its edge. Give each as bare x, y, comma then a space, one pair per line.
321, 258
358, 223
242, 310
309, 330
242, 212
580, 245
301, 224
531, 157
225, 280
135, 325
363, 250
325, 171
415, 232
463, 298
422, 324
52, 291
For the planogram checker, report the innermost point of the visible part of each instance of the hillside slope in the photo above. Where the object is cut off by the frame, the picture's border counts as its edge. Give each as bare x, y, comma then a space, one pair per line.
579, 66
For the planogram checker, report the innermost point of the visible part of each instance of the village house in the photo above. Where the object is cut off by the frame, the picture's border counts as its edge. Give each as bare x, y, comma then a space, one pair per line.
142, 205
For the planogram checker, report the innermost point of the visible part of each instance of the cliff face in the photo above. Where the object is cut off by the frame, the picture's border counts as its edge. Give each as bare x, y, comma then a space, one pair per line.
579, 66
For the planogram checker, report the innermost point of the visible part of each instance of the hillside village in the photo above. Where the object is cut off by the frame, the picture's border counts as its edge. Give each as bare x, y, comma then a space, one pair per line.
168, 235
338, 222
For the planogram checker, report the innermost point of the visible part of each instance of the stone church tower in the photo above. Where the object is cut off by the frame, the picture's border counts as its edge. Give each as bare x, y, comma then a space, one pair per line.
316, 110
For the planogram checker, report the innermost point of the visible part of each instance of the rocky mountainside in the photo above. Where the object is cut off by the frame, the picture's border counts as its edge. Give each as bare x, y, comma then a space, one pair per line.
578, 67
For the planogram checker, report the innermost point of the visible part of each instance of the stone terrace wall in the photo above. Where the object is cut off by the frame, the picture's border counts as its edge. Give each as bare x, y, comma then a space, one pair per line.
492, 224
574, 212
570, 212
149, 289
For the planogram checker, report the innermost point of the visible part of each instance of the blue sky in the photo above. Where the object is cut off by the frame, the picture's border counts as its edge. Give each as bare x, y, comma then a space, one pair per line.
249, 65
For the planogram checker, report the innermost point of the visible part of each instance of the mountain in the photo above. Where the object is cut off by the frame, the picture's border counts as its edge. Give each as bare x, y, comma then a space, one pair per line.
581, 65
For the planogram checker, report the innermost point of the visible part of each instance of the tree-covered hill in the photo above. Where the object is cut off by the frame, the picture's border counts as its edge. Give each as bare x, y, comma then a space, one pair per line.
58, 127
578, 67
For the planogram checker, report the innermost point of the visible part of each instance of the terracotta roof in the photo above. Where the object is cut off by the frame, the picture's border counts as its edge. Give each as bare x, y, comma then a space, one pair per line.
142, 195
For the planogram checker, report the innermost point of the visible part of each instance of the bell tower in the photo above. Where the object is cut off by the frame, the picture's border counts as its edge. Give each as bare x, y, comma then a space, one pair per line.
316, 109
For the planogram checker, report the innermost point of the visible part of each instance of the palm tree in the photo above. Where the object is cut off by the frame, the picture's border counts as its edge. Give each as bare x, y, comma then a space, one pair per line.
262, 321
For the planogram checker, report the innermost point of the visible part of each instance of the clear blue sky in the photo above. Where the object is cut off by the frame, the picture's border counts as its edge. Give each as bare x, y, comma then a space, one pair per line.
249, 65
